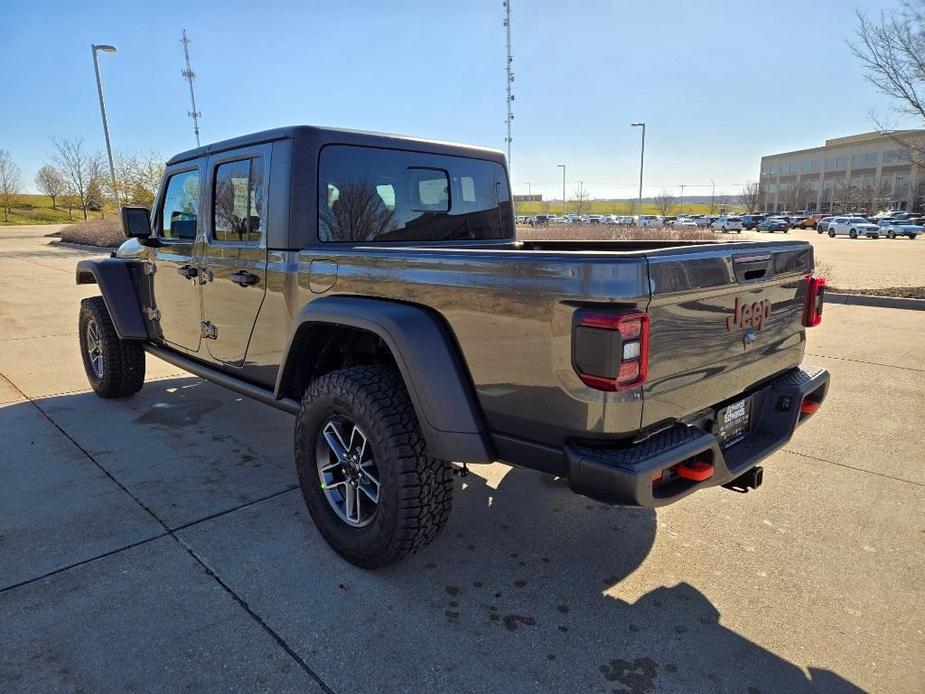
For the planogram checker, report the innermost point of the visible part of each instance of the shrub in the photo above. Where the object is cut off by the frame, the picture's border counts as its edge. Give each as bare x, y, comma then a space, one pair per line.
105, 233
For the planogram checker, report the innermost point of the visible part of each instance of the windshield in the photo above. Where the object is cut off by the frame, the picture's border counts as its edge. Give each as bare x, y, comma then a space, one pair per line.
858, 220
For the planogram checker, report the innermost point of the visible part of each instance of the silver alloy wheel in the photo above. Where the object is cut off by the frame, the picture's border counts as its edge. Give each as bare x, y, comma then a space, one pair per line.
94, 349
347, 471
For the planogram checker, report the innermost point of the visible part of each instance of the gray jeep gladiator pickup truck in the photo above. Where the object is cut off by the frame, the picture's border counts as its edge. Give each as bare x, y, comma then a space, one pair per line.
372, 285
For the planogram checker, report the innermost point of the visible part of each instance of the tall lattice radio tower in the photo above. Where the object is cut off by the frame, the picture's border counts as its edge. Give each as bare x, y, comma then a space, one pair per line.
189, 76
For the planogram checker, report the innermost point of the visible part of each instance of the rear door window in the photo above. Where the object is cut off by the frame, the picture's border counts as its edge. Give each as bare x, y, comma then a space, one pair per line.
374, 195
237, 213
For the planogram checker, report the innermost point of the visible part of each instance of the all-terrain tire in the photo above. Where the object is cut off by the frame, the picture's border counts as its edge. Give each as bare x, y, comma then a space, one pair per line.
415, 489
120, 364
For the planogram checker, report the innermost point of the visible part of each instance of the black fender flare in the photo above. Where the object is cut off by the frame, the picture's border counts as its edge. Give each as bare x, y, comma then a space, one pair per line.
117, 286
428, 359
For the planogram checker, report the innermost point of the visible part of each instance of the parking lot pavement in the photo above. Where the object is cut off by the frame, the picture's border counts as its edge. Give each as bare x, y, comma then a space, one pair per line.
159, 542
861, 263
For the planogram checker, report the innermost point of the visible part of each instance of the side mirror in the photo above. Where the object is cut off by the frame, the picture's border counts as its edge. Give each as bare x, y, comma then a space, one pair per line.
136, 222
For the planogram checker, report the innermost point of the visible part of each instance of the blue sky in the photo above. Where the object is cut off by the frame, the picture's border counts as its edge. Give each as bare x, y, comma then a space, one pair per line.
718, 83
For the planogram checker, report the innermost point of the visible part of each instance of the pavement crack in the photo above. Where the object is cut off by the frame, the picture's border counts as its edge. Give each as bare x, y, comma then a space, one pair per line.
869, 363
82, 562
852, 467
171, 532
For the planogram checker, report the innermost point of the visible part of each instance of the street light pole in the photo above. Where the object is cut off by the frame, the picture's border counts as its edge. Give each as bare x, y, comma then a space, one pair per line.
529, 189
562, 166
683, 185
642, 159
99, 88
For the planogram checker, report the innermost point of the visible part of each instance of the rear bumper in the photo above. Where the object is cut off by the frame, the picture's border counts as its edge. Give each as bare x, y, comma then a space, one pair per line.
625, 475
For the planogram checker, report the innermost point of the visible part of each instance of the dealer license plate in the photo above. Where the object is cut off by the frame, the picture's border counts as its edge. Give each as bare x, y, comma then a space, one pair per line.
733, 422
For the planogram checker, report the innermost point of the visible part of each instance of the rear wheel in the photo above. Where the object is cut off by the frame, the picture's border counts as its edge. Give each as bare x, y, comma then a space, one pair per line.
114, 367
371, 488
852, 233
912, 237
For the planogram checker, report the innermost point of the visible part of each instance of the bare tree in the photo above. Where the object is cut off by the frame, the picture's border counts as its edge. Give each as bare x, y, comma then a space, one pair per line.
580, 199
844, 195
138, 175
750, 197
50, 182
355, 212
873, 195
892, 51
79, 167
665, 202
796, 196
10, 183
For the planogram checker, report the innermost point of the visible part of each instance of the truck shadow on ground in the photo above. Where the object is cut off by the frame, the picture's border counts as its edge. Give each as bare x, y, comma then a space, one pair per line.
552, 555
512, 596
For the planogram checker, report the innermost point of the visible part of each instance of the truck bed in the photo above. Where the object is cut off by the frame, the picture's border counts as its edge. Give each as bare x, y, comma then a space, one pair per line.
510, 307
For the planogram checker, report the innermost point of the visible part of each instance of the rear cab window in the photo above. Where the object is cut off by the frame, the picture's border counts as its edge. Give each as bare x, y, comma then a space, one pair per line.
375, 195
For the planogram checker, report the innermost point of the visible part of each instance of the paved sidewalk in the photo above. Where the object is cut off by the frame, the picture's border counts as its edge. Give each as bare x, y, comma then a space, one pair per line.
159, 543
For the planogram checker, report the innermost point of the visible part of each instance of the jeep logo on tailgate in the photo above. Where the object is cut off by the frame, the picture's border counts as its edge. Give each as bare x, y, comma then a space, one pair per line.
751, 315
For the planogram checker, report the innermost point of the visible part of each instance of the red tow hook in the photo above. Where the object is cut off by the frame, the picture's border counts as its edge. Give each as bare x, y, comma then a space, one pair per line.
809, 407
695, 470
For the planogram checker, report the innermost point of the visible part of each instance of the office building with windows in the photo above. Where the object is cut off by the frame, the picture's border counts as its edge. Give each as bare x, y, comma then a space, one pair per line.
864, 173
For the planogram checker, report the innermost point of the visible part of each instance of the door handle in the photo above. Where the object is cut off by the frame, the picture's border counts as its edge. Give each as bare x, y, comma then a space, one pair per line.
188, 271
243, 278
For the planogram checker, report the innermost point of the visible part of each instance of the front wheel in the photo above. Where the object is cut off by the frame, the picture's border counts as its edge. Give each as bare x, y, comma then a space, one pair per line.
852, 233
831, 234
371, 488
912, 237
114, 367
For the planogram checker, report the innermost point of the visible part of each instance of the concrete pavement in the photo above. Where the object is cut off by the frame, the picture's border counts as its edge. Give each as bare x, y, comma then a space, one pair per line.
159, 542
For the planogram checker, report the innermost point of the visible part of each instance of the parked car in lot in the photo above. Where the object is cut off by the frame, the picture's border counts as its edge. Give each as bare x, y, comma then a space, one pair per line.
796, 221
542, 220
625, 220
353, 280
896, 228
812, 221
853, 227
750, 221
773, 224
647, 220
685, 223
728, 223
822, 225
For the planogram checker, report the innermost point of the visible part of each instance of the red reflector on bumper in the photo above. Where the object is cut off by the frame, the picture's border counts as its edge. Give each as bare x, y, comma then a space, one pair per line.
698, 470
809, 407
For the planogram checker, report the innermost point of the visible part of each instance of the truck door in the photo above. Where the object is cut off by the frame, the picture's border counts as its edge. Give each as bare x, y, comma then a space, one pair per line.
234, 258
175, 282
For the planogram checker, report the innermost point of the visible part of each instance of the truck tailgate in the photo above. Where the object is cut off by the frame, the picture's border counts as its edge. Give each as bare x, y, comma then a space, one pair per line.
722, 320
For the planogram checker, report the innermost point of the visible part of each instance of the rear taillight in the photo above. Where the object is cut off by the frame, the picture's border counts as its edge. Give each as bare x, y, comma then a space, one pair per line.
611, 349
815, 293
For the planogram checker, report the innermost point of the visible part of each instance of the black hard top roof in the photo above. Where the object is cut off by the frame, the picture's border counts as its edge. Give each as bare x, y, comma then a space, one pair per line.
322, 136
